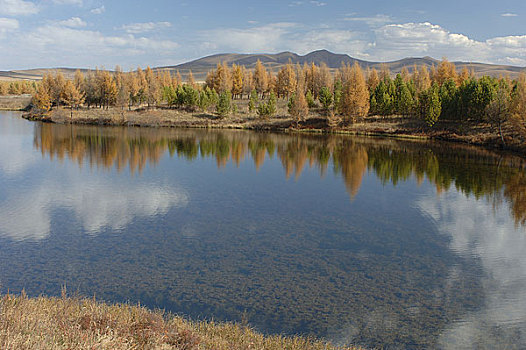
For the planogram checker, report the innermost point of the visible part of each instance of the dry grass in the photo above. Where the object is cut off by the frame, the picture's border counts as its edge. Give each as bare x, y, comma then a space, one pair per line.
15, 102
74, 323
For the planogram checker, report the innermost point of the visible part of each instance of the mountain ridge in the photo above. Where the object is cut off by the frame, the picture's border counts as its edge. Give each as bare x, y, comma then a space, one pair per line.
201, 66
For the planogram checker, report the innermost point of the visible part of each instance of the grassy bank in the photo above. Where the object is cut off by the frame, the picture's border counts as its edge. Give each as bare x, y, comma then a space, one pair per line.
15, 102
476, 133
72, 323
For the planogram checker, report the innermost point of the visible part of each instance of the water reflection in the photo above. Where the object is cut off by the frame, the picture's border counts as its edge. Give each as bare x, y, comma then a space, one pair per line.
472, 171
95, 203
478, 229
371, 241
14, 158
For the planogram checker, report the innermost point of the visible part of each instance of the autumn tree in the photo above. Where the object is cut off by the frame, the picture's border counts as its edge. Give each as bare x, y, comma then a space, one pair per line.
42, 99
404, 73
260, 78
372, 79
71, 96
286, 81
518, 103
237, 80
298, 107
56, 87
385, 73
107, 88
355, 97
190, 80
324, 78
78, 80
132, 87
153, 94
421, 78
445, 70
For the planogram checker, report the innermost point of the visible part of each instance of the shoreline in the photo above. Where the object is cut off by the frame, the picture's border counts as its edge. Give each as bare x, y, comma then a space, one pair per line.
398, 127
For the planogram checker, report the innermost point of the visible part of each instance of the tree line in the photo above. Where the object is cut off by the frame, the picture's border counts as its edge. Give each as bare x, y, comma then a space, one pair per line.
343, 95
17, 87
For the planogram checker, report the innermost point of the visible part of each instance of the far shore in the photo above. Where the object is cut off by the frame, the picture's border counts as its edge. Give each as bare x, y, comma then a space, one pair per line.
478, 134
391, 126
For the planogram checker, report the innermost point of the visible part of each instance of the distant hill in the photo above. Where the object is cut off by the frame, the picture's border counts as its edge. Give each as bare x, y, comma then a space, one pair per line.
37, 73
274, 62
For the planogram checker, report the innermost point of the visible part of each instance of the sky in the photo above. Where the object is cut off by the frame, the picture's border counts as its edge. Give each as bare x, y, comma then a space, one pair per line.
104, 33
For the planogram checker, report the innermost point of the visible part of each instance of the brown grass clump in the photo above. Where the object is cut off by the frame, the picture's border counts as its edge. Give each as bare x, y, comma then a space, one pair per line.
74, 323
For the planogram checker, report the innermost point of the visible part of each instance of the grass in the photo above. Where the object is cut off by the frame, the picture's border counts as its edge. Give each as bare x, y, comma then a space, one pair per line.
14, 102
76, 323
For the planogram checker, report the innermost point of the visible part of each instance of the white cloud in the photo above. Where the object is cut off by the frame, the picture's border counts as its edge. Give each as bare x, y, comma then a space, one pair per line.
256, 39
68, 2
71, 40
98, 10
17, 7
8, 25
487, 234
395, 41
137, 28
284, 36
386, 42
318, 3
509, 15
73, 22
372, 21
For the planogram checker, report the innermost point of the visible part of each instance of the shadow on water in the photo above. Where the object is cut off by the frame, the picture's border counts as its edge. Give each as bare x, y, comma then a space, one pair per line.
236, 225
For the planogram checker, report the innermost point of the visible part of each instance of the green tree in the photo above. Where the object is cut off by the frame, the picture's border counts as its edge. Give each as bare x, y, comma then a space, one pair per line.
252, 104
224, 106
498, 110
518, 104
429, 105
325, 98
310, 99
268, 109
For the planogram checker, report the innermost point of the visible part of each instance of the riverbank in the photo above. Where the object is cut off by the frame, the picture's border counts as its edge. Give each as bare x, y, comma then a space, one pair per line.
73, 323
480, 134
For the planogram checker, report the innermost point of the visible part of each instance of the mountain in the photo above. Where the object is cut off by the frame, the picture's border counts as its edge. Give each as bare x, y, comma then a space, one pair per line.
274, 62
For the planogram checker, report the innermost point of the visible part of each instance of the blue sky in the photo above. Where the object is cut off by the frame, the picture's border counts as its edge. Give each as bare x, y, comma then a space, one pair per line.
89, 33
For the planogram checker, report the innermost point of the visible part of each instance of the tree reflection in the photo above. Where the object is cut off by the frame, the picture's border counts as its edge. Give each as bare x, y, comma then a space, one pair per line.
473, 171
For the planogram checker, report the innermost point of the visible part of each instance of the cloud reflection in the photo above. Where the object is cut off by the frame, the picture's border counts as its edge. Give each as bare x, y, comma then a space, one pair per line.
487, 233
97, 204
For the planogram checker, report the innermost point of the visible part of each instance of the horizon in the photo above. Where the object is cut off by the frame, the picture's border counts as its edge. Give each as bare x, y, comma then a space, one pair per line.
251, 54
98, 33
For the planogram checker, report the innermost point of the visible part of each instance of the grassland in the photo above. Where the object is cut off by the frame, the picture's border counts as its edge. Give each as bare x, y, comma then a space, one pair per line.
14, 102
74, 323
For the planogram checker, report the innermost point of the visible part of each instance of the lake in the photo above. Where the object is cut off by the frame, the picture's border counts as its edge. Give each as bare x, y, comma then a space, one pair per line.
370, 241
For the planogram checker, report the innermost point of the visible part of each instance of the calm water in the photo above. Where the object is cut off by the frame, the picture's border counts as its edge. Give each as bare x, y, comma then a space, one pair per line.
366, 241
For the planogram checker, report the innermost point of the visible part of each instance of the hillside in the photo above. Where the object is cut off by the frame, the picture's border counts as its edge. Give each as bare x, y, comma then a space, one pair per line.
274, 62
